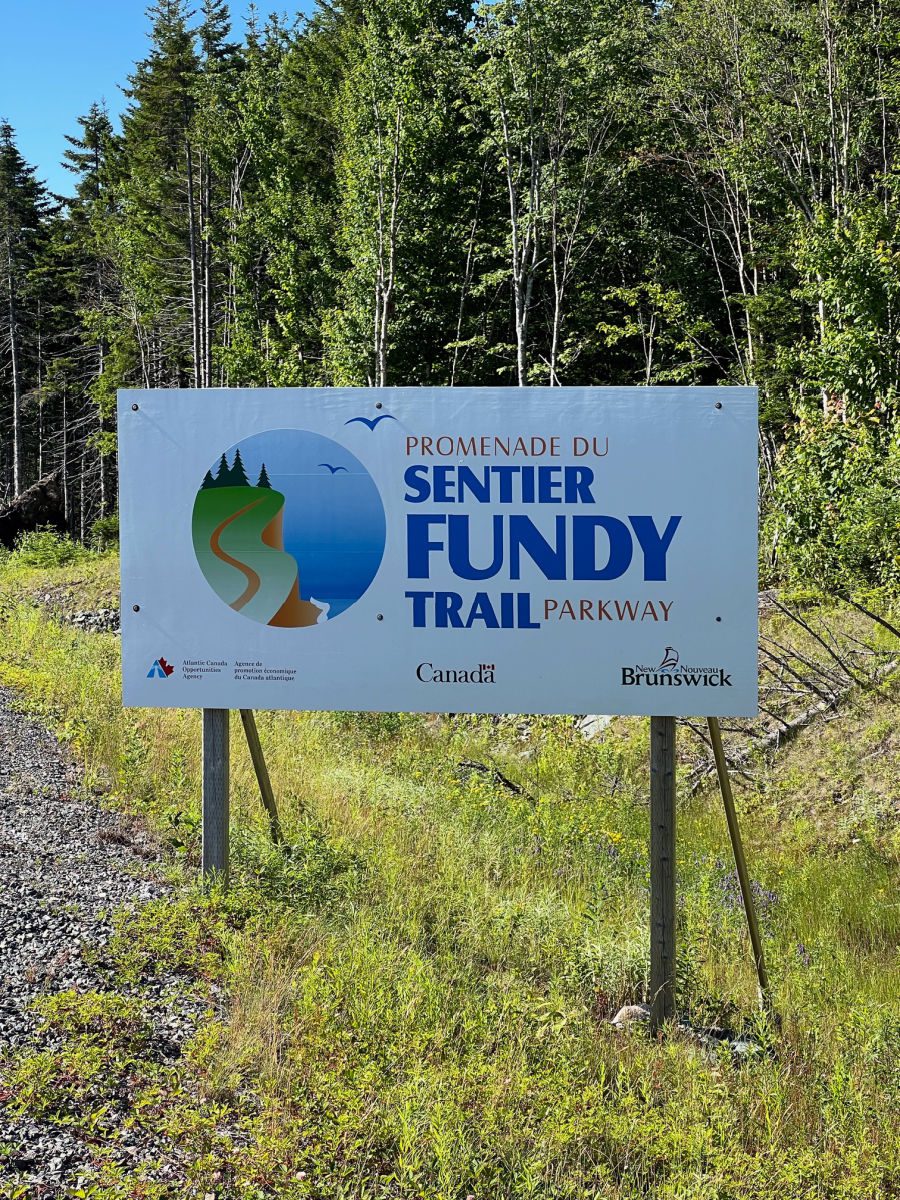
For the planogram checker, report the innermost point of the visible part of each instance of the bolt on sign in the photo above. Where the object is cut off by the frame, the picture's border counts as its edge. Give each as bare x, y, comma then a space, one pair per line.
547, 550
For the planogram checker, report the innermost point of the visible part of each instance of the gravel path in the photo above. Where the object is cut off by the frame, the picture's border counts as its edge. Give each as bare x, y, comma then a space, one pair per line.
65, 866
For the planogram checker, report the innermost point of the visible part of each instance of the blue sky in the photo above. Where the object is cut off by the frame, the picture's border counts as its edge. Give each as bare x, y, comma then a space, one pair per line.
57, 57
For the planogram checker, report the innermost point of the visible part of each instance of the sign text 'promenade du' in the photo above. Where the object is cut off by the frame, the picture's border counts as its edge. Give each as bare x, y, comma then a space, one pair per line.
436, 549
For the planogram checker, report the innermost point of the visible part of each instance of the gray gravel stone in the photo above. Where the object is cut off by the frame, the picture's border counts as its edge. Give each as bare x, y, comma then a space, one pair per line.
66, 865
103, 620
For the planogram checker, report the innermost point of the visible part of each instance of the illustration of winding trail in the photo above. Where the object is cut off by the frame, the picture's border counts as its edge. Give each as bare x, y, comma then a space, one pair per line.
253, 579
239, 543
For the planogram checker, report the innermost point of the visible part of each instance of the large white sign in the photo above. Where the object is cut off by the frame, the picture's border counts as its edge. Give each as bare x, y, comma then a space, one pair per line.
548, 550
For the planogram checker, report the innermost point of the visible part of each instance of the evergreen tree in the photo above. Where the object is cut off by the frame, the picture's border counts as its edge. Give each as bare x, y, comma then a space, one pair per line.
109, 351
158, 237
263, 481
216, 151
24, 206
208, 482
88, 157
562, 191
238, 476
214, 32
404, 164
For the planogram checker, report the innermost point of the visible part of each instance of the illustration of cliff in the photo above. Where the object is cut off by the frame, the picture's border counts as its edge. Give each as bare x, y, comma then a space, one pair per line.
237, 534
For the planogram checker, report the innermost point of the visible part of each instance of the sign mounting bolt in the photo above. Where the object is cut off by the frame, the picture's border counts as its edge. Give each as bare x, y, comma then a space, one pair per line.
134, 408
135, 608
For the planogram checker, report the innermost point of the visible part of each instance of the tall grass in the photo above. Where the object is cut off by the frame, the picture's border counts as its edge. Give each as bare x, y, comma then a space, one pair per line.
419, 989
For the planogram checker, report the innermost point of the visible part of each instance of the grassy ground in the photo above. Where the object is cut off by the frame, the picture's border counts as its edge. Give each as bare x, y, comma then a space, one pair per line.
418, 993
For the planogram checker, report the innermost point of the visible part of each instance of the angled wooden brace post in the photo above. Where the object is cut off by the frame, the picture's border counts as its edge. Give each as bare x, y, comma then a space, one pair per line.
262, 774
737, 846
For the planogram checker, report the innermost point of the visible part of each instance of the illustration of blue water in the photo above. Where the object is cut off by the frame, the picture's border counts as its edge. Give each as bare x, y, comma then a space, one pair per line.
334, 523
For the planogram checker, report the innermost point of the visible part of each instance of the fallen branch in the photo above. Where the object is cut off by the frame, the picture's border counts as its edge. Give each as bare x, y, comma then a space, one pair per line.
776, 738
872, 616
470, 765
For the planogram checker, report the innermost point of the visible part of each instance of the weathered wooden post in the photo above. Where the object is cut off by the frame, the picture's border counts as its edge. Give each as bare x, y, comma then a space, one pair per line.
215, 794
262, 774
740, 862
662, 870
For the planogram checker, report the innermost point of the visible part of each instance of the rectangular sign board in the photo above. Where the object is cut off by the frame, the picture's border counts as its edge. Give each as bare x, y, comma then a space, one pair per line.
546, 550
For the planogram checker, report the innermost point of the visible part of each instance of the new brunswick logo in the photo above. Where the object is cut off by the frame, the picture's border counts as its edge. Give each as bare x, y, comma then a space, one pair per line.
670, 673
670, 659
160, 669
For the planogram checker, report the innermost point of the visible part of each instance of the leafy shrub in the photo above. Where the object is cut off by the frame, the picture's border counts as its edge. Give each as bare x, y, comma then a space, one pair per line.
311, 872
182, 938
101, 1017
105, 533
835, 520
48, 548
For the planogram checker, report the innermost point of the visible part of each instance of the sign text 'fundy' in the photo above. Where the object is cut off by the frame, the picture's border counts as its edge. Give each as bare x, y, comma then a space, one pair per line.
590, 547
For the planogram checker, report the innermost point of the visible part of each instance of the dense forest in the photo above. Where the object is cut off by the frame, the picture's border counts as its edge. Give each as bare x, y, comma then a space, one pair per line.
400, 192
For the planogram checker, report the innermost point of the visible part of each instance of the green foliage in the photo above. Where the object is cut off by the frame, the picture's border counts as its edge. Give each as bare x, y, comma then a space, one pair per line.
412, 999
105, 532
311, 872
506, 191
182, 938
48, 548
97, 1016
835, 515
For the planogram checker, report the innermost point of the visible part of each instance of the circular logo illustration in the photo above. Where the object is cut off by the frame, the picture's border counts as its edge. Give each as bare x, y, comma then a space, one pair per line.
288, 528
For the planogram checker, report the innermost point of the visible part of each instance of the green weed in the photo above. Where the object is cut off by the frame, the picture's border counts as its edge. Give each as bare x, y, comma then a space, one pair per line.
417, 990
48, 548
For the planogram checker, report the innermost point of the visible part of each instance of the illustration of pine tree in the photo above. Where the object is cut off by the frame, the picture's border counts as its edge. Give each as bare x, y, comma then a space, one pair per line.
238, 476
223, 475
208, 482
263, 480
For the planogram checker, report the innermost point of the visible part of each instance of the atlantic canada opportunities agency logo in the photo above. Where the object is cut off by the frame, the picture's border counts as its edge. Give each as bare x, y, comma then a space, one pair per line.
288, 528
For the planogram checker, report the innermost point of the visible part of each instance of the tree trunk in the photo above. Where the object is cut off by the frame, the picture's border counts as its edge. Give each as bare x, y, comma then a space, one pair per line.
387, 246
192, 249
64, 466
14, 371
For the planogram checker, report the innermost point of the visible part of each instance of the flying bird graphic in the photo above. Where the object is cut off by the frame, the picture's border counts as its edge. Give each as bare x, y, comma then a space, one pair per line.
371, 421
333, 470
670, 659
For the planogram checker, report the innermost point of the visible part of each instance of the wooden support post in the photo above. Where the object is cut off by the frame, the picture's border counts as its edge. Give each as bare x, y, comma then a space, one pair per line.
215, 794
662, 871
262, 774
740, 862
